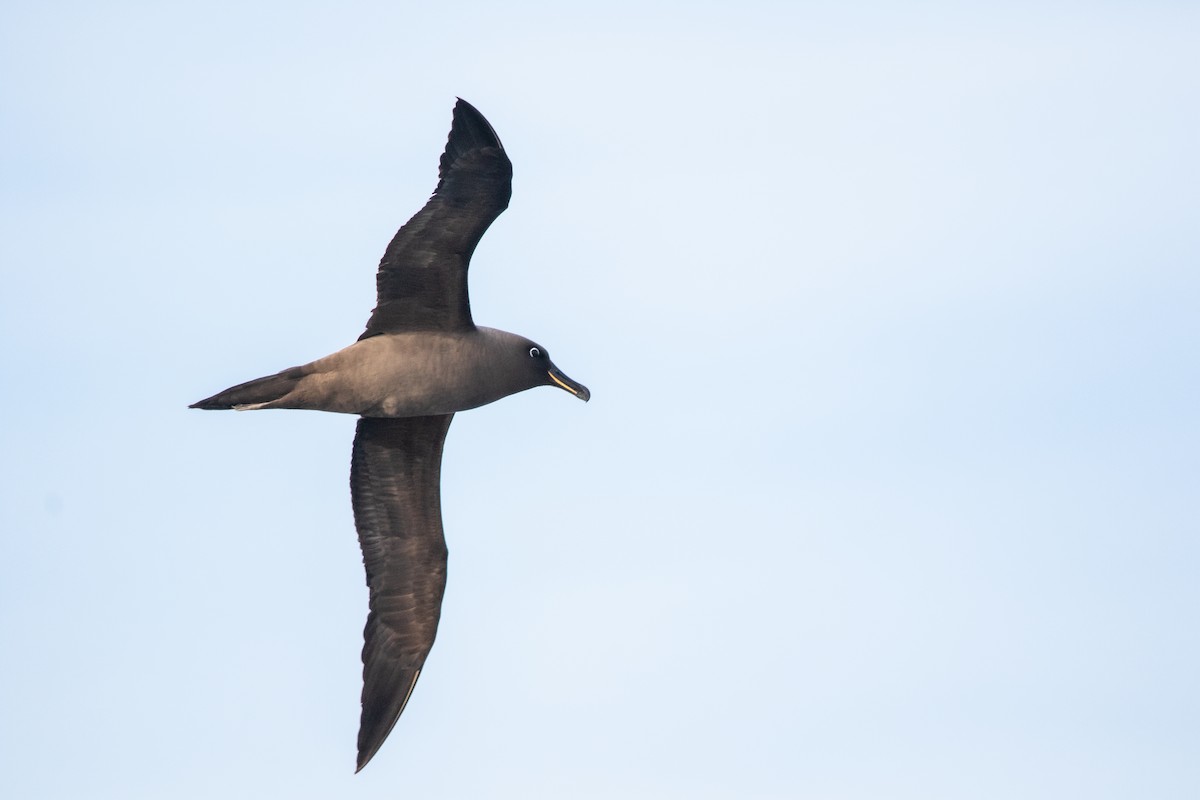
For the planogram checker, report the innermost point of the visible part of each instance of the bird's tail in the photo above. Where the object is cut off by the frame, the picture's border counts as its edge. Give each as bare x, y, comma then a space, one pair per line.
258, 393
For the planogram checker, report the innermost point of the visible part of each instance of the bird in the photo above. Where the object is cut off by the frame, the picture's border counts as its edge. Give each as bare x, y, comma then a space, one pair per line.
420, 361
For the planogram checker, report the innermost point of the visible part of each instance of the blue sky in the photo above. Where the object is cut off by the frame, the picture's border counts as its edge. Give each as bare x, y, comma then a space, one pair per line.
888, 485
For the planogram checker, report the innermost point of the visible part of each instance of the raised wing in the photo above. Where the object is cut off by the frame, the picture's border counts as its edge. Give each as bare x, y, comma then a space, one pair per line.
395, 485
422, 278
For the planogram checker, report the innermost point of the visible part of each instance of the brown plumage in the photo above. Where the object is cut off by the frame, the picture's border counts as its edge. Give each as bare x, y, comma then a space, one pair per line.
420, 360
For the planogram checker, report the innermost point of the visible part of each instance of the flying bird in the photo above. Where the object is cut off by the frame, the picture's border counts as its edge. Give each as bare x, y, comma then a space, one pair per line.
420, 360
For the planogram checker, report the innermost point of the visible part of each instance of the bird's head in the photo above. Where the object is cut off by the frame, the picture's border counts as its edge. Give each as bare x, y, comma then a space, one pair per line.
541, 371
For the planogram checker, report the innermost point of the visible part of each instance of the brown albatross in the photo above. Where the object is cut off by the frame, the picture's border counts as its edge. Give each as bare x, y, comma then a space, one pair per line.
420, 360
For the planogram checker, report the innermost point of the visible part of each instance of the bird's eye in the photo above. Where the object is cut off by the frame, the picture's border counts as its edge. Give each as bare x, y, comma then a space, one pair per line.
534, 352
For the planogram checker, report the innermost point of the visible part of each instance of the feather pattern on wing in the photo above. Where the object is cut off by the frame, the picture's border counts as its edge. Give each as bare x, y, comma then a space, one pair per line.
395, 485
422, 278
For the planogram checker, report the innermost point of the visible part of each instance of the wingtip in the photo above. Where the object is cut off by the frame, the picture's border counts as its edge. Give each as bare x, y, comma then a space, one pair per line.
365, 754
377, 723
367, 750
468, 118
463, 104
364, 758
470, 132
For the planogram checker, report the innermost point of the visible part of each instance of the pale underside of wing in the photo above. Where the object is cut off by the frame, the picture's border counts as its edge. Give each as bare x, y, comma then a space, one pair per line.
395, 485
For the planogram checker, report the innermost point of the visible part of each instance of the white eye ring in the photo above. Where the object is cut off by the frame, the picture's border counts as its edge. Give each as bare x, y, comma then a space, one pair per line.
534, 352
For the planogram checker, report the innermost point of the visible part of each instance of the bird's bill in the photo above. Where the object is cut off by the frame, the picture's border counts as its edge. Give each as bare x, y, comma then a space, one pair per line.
563, 382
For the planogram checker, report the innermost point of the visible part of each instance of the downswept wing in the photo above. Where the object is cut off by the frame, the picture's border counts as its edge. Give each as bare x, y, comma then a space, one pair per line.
395, 486
422, 278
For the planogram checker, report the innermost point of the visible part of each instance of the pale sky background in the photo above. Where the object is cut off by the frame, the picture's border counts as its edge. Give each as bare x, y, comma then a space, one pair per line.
889, 485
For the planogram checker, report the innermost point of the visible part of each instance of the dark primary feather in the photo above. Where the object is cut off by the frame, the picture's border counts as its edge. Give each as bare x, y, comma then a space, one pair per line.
395, 486
422, 278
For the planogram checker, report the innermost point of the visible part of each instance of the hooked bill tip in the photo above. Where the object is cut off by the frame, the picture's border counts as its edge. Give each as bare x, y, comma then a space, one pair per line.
565, 383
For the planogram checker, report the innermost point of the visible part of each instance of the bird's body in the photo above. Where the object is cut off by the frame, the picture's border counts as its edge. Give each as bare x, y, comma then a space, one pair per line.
420, 360
408, 374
